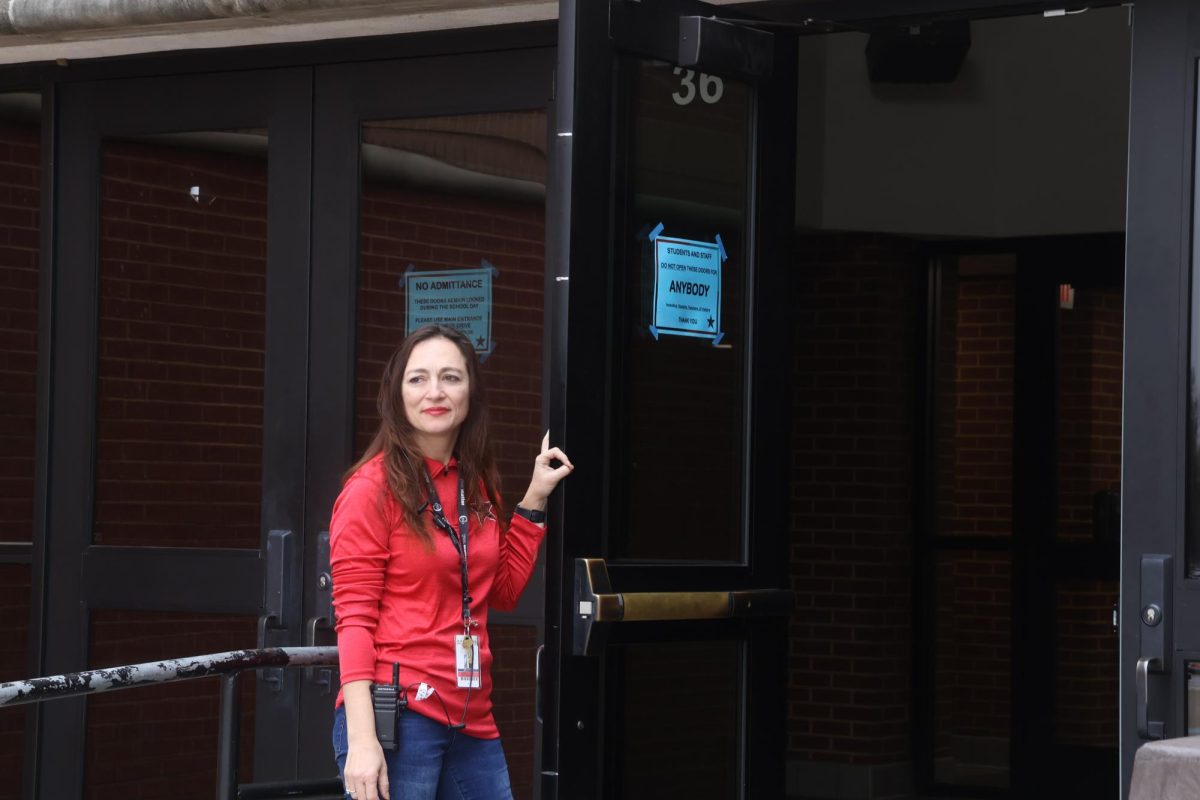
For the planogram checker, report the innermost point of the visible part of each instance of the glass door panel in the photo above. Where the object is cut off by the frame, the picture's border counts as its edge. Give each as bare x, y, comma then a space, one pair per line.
463, 198
183, 328
681, 383
183, 265
20, 272
973, 668
669, 391
676, 732
430, 206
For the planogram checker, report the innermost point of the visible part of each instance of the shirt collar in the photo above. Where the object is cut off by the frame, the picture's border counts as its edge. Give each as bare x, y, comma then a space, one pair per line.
437, 469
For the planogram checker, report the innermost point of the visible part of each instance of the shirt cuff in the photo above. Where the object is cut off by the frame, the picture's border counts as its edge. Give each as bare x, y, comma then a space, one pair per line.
356, 654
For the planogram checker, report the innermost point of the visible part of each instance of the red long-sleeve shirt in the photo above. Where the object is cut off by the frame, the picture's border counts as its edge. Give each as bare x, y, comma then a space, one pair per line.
396, 600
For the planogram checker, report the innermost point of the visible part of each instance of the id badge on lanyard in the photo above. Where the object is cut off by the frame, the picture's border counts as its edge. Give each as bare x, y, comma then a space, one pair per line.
466, 661
466, 645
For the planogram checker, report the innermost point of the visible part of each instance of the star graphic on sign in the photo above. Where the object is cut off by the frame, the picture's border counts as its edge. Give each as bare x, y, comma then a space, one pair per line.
710, 322
479, 342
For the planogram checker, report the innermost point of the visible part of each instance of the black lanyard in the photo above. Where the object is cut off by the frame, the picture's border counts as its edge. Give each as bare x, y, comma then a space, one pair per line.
459, 537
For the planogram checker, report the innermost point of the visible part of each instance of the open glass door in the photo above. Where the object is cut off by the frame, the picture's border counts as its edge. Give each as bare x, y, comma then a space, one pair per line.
1160, 514
665, 648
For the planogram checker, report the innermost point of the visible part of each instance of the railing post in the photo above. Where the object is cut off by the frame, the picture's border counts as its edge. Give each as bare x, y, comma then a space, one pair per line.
229, 731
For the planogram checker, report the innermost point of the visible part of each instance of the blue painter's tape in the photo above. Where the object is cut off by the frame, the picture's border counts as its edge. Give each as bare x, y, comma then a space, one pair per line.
654, 332
687, 287
657, 230
721, 245
718, 338
404, 276
485, 264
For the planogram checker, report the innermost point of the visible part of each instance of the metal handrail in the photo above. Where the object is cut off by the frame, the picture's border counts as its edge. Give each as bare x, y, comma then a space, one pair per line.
228, 666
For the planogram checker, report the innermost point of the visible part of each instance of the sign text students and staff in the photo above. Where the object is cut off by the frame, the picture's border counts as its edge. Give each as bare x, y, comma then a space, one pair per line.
687, 287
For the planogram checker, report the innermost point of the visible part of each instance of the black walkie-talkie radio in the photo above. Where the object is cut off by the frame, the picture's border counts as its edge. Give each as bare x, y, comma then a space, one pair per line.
388, 701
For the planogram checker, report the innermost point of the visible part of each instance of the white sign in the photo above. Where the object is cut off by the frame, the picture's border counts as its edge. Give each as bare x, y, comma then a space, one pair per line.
458, 298
687, 287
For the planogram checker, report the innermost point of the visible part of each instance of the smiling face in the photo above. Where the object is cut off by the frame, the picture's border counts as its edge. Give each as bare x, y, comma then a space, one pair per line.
437, 395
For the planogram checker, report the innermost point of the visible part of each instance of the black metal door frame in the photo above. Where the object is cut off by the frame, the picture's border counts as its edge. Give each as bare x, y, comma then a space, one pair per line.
346, 95
73, 576
1159, 463
580, 299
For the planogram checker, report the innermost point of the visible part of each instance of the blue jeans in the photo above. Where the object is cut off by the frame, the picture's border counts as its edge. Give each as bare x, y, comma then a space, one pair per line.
435, 763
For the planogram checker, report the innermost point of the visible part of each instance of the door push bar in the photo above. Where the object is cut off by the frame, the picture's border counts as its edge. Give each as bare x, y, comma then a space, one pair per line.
596, 605
1155, 644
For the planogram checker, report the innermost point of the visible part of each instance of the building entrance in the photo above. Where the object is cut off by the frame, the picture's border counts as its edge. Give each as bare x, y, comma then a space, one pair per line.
956, 415
907, 410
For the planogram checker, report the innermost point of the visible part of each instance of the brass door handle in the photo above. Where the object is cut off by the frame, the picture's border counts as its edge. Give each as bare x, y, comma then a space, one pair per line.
595, 604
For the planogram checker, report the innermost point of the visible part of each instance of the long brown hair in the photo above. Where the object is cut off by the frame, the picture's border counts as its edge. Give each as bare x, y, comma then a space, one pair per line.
403, 461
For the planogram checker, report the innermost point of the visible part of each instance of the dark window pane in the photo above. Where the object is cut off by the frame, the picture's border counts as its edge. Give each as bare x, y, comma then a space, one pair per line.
1087, 664
182, 317
678, 727
974, 403
458, 194
680, 400
20, 199
14, 659
1090, 341
973, 676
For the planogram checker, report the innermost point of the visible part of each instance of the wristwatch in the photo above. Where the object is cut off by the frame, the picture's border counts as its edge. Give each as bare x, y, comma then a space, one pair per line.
533, 515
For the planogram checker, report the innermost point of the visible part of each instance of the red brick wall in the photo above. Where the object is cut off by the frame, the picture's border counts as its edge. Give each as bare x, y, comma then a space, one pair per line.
975, 496
181, 348
850, 667
20, 195
973, 651
20, 198
513, 647
161, 742
1087, 678
14, 648
1089, 406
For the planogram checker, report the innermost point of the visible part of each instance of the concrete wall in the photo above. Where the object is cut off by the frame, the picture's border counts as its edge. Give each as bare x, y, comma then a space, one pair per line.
1030, 139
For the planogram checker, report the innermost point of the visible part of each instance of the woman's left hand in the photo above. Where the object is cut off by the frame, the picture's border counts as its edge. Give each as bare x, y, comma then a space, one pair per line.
545, 476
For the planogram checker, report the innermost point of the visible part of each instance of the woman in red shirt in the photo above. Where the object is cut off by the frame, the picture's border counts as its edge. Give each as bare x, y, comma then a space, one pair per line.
418, 557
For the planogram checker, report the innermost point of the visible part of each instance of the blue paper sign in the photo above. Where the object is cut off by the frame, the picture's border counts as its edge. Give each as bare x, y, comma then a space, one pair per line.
459, 298
687, 287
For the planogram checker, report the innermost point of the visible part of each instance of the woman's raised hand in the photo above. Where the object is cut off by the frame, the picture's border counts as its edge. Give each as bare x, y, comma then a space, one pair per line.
545, 475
